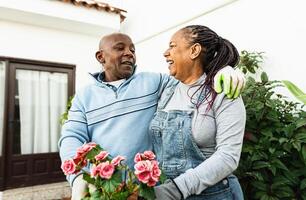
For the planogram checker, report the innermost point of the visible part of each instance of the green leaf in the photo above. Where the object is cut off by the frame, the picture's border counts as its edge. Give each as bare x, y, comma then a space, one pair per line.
301, 122
282, 140
273, 170
301, 137
265, 197
292, 176
297, 92
279, 164
162, 177
297, 145
117, 176
96, 195
303, 195
304, 152
267, 133
284, 191
264, 77
260, 185
110, 185
99, 182
259, 194
88, 179
146, 192
279, 181
92, 153
261, 164
121, 195
303, 184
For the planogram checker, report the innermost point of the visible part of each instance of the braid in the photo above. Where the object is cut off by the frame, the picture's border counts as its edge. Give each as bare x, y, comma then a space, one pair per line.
216, 54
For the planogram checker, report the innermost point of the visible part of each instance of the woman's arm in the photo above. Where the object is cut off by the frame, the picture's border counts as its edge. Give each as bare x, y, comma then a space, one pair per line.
230, 119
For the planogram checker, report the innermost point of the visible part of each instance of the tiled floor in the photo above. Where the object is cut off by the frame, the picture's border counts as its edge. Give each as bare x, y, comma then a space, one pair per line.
54, 191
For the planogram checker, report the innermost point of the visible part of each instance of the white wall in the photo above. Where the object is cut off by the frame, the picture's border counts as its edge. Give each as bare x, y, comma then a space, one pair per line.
32, 42
277, 27
50, 30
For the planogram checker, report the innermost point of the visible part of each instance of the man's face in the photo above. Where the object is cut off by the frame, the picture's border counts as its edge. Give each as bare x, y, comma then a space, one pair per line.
117, 55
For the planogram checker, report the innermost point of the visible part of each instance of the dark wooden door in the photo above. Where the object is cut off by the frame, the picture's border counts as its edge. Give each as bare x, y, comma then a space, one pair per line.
16, 169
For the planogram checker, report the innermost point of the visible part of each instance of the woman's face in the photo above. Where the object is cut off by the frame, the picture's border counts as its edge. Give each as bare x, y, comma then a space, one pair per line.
178, 56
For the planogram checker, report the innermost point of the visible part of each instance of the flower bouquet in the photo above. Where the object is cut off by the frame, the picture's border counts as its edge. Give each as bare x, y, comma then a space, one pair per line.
111, 177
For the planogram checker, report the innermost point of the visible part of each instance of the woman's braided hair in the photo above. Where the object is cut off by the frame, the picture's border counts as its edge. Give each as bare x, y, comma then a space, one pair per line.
216, 53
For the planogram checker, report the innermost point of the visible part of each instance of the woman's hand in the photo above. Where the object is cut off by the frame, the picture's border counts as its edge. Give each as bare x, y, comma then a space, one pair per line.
167, 191
230, 81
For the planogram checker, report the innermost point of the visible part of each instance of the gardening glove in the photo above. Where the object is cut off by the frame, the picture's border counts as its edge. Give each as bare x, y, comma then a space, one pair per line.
230, 81
79, 188
167, 191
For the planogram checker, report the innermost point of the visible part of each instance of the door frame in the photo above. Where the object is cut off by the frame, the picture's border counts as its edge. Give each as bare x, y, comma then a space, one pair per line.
28, 170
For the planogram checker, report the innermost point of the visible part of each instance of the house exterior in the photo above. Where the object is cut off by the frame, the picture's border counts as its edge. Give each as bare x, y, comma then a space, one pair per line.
43, 40
47, 48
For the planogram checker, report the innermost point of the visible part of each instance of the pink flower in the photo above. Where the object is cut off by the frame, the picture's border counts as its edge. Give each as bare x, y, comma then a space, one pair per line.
80, 161
116, 161
106, 170
84, 149
146, 168
148, 155
144, 176
142, 166
155, 171
142, 170
151, 183
102, 155
137, 158
68, 167
94, 171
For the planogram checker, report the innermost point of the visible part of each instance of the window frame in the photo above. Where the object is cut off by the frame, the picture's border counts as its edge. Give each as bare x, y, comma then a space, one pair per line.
34, 174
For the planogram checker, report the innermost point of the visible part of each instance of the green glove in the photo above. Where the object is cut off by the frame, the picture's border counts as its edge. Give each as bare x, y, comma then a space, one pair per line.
230, 81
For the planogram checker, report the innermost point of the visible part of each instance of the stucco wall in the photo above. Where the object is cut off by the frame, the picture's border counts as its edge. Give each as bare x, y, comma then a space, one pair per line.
38, 43
276, 27
54, 31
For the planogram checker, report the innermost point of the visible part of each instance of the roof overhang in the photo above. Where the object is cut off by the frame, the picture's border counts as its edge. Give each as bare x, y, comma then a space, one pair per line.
59, 15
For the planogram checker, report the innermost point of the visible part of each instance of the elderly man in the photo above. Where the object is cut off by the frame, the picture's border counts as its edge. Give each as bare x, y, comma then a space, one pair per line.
116, 110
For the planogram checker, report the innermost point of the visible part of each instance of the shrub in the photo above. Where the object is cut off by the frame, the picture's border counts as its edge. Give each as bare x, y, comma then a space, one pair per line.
273, 158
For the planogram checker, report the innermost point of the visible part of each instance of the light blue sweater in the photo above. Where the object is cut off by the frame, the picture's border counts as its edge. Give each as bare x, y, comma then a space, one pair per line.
116, 118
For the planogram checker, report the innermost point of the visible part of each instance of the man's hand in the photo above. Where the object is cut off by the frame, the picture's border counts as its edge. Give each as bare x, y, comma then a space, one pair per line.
79, 188
230, 81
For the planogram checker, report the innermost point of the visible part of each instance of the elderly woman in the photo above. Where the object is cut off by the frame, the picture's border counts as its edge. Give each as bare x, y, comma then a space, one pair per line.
197, 133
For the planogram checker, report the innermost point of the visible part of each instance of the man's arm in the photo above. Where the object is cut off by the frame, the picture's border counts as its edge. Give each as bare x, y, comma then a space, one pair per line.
73, 135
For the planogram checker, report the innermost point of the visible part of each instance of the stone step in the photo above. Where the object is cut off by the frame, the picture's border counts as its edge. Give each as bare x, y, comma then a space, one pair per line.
54, 191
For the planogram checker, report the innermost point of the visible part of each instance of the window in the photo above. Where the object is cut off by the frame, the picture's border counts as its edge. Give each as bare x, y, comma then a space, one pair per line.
33, 96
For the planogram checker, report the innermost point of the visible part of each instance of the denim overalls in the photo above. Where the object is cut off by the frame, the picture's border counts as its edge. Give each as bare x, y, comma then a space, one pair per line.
177, 151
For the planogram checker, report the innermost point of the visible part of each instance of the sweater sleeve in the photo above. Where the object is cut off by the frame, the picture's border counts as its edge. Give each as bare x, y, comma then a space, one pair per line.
230, 119
74, 133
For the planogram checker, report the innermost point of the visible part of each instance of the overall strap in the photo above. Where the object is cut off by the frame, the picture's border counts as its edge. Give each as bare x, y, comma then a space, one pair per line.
166, 96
